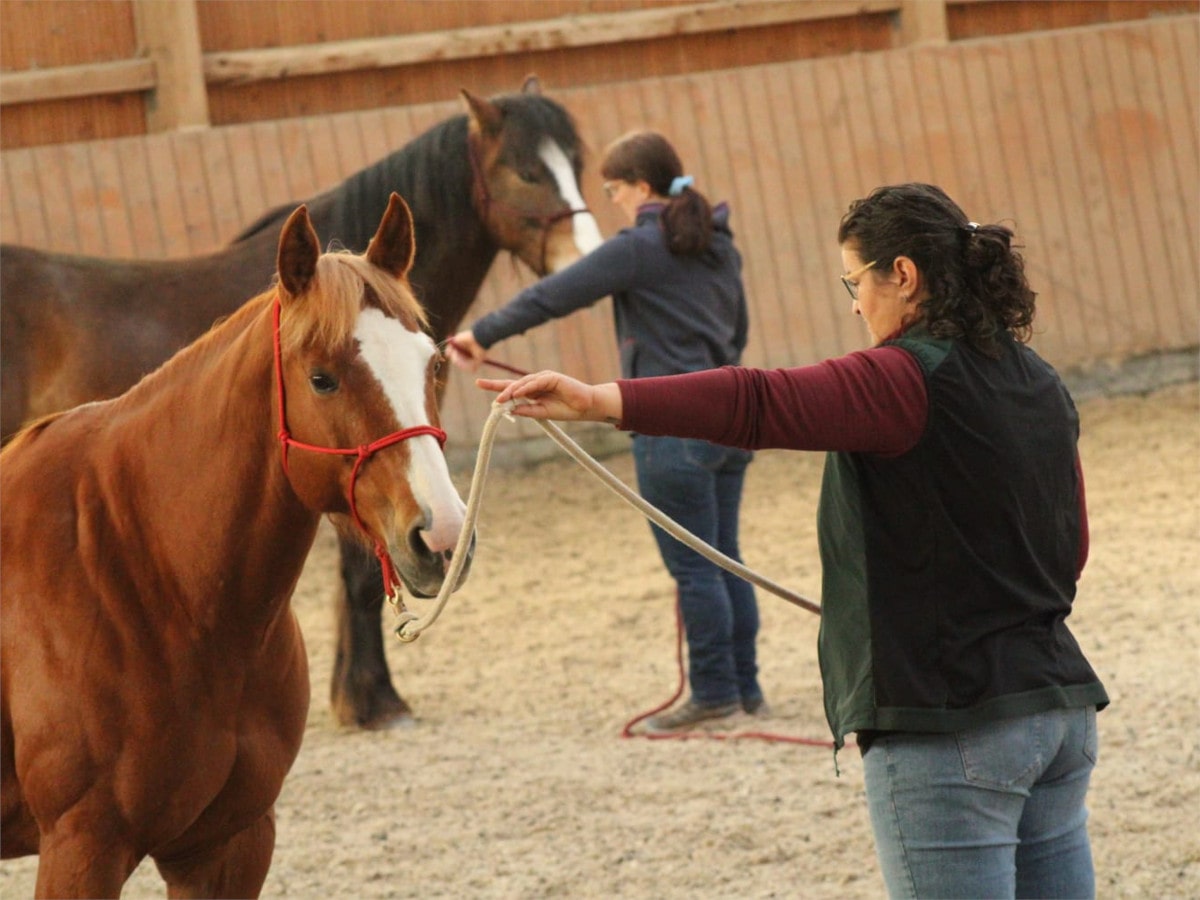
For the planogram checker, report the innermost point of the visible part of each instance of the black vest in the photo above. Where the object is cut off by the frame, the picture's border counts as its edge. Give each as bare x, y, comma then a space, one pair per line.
949, 571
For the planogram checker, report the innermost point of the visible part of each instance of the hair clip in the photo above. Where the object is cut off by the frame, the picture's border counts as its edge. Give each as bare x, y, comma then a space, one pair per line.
679, 184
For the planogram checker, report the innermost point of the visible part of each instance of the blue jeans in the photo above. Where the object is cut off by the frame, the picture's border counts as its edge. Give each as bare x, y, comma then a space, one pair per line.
993, 811
699, 485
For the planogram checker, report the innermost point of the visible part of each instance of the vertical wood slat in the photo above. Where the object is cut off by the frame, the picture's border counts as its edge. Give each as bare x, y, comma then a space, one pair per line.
296, 155
270, 157
164, 179
194, 193
1174, 53
326, 165
768, 328
84, 202
53, 192
1106, 132
1078, 267
10, 225
768, 150
110, 199
225, 211
241, 147
1021, 131
815, 202
20, 184
1107, 279
145, 216
1121, 132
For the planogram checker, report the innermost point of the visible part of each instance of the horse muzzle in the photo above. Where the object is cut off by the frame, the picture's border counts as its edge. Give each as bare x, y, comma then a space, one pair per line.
424, 570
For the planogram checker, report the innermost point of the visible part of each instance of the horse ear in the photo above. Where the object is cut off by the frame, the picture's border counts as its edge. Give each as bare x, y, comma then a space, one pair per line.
484, 114
532, 85
393, 247
298, 252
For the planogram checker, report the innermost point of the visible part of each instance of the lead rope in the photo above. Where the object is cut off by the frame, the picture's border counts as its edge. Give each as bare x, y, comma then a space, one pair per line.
411, 625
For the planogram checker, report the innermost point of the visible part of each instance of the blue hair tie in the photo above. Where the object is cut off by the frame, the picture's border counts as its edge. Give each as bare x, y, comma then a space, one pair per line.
678, 185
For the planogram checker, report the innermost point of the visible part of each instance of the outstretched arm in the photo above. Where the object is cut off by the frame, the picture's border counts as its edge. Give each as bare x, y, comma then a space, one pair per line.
552, 395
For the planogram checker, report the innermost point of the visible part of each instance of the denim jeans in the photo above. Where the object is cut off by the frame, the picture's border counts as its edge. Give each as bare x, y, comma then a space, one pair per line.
993, 811
699, 485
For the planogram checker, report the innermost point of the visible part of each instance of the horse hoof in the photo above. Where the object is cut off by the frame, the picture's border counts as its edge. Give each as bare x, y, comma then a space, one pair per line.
375, 712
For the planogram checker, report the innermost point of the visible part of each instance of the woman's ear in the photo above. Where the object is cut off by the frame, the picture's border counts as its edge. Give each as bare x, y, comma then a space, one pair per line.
908, 276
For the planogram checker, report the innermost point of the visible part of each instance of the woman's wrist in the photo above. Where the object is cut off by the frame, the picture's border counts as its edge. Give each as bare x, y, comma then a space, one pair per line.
607, 404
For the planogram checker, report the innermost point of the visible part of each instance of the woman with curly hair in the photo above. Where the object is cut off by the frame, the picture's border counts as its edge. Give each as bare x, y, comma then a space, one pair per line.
952, 529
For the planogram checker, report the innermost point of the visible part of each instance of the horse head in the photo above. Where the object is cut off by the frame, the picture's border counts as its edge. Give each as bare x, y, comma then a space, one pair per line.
357, 379
526, 160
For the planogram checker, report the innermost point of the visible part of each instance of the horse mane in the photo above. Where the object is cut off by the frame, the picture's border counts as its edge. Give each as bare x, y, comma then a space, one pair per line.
344, 284
431, 172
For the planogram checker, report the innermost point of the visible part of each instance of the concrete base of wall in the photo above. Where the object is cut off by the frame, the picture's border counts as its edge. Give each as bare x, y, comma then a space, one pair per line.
1137, 375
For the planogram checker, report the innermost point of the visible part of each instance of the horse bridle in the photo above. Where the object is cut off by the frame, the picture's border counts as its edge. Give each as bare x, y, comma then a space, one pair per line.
487, 201
391, 583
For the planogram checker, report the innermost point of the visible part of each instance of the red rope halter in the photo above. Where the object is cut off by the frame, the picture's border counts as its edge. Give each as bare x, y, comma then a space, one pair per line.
391, 583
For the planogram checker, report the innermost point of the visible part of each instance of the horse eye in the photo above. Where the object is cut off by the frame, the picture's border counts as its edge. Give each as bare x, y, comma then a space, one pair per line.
323, 383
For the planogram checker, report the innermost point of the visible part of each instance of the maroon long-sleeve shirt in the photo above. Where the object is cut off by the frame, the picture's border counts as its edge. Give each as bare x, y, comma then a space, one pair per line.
868, 401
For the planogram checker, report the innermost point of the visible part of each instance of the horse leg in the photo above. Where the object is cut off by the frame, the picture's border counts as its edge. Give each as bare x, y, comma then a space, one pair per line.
362, 692
73, 862
236, 867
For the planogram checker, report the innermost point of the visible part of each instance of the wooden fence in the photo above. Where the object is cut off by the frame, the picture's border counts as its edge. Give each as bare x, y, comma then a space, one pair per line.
1083, 140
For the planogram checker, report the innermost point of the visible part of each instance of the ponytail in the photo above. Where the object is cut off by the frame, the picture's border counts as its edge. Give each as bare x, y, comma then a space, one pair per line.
647, 156
976, 279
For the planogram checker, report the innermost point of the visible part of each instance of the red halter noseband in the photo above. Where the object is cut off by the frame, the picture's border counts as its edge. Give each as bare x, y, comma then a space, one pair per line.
390, 582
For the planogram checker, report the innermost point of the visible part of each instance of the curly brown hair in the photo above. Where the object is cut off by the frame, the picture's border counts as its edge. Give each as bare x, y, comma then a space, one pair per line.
977, 284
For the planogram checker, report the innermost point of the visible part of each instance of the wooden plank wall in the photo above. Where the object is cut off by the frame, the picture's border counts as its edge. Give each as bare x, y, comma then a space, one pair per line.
75, 70
1085, 141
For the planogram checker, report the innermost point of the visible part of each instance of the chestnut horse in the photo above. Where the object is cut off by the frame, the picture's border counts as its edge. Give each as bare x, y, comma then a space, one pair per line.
503, 176
155, 682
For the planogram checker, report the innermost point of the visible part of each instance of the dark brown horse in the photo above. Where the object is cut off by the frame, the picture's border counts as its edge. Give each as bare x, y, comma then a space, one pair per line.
502, 177
155, 683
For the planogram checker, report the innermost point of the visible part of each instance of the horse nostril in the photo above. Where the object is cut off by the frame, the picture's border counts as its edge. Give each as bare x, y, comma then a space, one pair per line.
416, 541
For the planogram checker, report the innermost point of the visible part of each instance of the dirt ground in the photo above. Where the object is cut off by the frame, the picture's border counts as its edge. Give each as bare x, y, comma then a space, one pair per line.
515, 782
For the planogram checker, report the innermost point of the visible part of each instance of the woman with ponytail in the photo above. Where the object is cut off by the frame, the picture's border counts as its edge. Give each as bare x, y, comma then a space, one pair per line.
952, 529
675, 277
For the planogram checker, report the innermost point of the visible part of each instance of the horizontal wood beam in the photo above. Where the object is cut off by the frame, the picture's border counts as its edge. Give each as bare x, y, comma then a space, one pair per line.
121, 77
585, 30
591, 29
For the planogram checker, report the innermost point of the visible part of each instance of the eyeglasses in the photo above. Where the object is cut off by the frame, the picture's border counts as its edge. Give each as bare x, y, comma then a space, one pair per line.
611, 188
850, 279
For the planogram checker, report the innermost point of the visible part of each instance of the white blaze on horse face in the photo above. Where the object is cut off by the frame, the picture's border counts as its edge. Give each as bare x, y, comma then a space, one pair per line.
587, 232
400, 360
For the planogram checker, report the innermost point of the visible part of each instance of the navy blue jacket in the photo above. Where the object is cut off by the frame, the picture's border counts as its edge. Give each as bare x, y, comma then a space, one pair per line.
673, 313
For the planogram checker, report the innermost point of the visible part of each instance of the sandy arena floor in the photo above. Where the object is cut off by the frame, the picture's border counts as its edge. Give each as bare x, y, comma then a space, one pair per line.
515, 783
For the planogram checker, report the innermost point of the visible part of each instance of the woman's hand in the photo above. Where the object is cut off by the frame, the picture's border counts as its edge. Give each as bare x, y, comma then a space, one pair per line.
552, 395
464, 351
